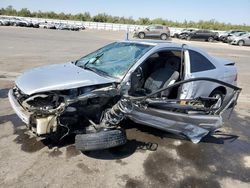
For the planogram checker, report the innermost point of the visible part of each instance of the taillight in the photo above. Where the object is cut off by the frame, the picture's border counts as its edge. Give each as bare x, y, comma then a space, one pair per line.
236, 77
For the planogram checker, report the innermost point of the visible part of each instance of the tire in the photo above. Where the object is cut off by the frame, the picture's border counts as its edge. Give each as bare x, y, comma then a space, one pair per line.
141, 35
219, 95
188, 38
241, 43
210, 39
164, 36
100, 140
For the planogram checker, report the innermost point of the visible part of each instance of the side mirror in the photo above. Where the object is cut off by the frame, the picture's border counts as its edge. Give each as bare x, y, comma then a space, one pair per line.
147, 29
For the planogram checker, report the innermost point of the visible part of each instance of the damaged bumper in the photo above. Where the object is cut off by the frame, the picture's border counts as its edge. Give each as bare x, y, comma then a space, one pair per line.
22, 114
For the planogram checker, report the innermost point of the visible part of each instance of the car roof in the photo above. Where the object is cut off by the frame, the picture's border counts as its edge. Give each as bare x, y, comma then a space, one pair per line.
159, 43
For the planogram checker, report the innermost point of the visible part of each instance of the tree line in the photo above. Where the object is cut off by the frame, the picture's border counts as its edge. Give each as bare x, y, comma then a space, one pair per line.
103, 17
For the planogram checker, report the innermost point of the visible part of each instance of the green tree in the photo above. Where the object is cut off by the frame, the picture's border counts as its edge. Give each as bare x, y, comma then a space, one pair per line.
24, 12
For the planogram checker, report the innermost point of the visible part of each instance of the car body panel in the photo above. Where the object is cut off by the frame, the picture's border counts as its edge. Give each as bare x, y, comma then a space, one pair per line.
58, 77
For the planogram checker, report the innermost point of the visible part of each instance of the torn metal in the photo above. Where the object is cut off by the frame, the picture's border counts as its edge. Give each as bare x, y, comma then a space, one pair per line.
193, 118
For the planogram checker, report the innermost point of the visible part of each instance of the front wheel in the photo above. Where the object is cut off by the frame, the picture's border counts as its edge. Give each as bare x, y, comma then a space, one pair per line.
241, 43
188, 38
210, 39
100, 140
164, 37
141, 35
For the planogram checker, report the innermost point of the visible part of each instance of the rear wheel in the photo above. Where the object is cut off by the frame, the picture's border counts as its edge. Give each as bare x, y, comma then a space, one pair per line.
164, 37
241, 43
218, 95
210, 39
141, 35
100, 140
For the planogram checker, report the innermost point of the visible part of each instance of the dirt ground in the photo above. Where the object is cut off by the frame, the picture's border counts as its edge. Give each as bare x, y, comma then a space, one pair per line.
220, 160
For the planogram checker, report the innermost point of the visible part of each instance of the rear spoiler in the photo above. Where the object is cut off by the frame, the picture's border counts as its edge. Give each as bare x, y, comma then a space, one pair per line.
229, 64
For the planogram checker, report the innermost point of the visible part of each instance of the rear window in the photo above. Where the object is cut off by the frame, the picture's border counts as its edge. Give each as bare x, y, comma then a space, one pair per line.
199, 63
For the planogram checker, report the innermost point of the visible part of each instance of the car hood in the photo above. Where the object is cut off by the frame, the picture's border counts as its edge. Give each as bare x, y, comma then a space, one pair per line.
58, 77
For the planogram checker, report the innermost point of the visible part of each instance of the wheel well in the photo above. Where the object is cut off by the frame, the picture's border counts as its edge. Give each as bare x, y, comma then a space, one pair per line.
240, 41
222, 89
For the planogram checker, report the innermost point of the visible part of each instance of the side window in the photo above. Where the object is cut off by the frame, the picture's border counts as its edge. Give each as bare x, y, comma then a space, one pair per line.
159, 27
199, 63
152, 27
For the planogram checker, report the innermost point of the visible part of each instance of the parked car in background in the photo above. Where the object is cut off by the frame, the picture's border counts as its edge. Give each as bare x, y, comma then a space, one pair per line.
202, 34
154, 31
231, 37
183, 34
46, 25
172, 87
223, 36
243, 40
4, 21
18, 22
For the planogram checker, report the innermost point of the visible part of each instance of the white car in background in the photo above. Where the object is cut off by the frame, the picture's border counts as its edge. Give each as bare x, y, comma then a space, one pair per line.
243, 40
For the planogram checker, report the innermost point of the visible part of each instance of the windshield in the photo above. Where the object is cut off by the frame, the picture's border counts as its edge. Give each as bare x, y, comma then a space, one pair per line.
114, 59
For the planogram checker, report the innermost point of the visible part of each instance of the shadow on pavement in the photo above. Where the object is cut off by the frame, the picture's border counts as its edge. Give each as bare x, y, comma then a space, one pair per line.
122, 151
4, 93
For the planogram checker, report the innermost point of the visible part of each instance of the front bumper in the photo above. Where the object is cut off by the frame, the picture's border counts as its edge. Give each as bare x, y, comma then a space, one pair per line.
234, 42
21, 113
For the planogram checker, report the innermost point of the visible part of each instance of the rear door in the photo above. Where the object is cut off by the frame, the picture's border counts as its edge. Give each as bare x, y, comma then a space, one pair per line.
198, 34
152, 31
247, 41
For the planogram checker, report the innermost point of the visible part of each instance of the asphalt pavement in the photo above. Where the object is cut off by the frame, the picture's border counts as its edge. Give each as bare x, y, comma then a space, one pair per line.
151, 158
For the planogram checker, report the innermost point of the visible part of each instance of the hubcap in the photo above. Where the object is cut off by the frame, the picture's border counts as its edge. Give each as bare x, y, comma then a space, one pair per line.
141, 35
163, 37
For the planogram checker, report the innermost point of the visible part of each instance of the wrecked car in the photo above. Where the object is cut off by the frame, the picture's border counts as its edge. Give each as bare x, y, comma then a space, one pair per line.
172, 87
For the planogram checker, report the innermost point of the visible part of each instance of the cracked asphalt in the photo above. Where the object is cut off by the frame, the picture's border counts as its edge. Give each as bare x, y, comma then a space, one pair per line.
151, 158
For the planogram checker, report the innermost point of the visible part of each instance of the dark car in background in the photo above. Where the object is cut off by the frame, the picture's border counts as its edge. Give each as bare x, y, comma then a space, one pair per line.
203, 34
156, 31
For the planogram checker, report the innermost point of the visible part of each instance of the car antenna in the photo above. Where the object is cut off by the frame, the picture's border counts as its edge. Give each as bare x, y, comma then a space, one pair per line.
182, 58
127, 32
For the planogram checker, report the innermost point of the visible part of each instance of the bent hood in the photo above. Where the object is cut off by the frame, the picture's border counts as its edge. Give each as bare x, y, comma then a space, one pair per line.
58, 77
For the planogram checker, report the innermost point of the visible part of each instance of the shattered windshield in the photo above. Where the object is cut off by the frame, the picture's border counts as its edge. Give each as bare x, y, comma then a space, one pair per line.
114, 59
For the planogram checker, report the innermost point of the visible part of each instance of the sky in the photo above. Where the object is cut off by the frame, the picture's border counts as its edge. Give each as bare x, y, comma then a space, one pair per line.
228, 11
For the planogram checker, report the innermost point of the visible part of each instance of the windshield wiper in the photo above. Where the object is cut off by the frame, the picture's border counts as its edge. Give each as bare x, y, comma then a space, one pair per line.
96, 58
97, 71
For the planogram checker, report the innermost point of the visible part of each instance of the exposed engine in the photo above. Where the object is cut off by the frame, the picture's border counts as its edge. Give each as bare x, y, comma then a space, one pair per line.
62, 112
